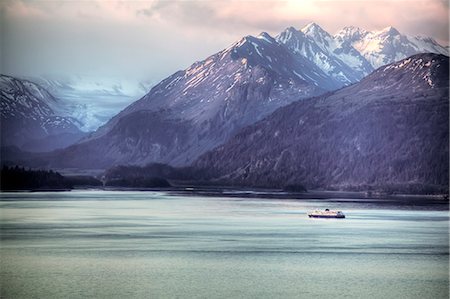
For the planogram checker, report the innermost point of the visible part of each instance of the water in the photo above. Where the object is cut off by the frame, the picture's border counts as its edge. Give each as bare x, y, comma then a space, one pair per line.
97, 244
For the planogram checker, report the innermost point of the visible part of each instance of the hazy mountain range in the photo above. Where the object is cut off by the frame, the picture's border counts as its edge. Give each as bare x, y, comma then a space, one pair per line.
93, 101
195, 110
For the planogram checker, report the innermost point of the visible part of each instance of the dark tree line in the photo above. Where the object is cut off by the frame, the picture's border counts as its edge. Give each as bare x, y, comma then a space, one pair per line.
19, 178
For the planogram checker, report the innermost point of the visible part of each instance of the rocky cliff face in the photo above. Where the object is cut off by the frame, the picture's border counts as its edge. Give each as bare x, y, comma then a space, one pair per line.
389, 129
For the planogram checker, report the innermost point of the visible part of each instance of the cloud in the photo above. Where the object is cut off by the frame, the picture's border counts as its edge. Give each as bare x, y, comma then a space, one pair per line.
222, 16
246, 17
430, 17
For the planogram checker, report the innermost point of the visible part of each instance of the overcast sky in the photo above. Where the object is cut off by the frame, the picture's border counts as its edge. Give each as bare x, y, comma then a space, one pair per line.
152, 39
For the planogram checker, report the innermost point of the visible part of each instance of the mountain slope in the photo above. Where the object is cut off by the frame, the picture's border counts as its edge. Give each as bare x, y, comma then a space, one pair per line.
32, 119
195, 110
389, 129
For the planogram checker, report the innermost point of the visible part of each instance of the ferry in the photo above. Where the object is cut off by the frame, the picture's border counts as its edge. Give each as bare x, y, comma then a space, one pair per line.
326, 214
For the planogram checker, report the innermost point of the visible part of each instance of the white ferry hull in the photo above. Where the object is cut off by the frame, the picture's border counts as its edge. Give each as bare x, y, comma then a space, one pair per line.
326, 214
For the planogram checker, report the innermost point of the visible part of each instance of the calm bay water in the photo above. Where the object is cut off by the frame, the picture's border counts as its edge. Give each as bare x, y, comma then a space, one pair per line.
99, 244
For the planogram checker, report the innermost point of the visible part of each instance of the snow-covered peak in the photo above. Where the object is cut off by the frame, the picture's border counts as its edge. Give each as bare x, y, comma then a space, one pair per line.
240, 43
290, 29
387, 31
315, 31
320, 37
350, 33
288, 34
266, 37
353, 29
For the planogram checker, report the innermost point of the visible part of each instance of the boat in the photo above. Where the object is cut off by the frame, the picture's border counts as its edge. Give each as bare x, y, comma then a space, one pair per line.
326, 214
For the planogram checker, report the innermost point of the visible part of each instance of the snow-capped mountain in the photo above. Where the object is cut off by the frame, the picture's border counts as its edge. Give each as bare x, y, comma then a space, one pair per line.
390, 130
91, 100
32, 118
204, 88
336, 58
387, 45
199, 108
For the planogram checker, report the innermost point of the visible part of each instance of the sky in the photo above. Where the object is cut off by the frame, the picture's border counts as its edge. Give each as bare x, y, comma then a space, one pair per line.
149, 40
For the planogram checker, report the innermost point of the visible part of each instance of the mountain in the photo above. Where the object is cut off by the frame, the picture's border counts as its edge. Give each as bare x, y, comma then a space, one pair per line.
195, 110
390, 130
33, 119
387, 45
335, 57
91, 100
